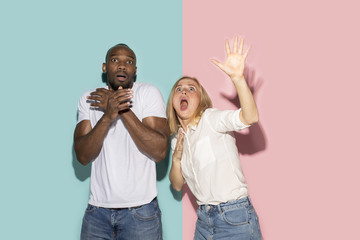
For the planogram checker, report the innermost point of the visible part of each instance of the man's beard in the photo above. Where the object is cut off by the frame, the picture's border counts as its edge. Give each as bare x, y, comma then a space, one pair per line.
115, 85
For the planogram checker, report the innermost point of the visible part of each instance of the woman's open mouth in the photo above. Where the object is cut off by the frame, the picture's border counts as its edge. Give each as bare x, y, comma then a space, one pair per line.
183, 104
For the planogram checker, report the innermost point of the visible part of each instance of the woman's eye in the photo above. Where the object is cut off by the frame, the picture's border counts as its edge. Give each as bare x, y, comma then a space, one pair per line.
192, 89
178, 89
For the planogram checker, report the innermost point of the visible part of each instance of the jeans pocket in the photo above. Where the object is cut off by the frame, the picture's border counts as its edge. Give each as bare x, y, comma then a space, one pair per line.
147, 212
90, 208
236, 216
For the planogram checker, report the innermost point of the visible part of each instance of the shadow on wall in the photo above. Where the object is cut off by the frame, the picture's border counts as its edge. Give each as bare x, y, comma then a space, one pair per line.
161, 171
81, 172
162, 167
254, 141
186, 191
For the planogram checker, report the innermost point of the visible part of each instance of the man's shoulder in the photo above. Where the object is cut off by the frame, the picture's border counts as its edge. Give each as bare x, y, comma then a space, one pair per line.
144, 85
146, 89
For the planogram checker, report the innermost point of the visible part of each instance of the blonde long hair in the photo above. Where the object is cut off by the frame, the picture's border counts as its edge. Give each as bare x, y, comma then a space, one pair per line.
205, 103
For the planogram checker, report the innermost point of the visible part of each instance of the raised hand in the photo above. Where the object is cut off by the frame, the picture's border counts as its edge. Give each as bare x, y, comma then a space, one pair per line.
235, 61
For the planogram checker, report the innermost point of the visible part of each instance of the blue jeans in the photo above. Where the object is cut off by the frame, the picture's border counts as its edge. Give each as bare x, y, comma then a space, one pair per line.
142, 222
232, 220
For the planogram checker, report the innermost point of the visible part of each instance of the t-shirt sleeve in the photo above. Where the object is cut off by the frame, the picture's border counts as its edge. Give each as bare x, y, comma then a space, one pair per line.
83, 108
154, 105
225, 120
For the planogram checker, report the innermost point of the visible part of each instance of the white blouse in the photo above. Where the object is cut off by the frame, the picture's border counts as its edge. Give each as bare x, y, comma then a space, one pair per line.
210, 161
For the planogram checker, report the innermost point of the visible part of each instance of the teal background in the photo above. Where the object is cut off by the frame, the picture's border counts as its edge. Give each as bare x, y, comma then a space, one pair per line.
50, 53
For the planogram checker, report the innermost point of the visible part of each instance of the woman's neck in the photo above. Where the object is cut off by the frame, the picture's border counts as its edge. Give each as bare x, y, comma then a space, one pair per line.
184, 124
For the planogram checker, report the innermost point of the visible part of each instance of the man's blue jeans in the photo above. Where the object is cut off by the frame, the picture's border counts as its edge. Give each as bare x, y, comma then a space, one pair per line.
142, 222
235, 220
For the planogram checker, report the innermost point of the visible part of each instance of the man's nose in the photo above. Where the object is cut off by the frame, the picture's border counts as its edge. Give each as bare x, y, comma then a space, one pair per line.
121, 66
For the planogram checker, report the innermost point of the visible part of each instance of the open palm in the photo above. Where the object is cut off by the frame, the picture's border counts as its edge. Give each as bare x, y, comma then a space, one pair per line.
235, 61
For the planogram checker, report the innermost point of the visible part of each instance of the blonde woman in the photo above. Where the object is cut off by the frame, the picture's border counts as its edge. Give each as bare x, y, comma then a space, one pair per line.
205, 154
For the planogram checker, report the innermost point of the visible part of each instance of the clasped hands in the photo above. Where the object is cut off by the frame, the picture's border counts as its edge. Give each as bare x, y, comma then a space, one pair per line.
113, 102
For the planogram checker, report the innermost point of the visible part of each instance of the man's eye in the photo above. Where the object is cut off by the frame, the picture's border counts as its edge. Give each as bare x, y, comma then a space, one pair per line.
129, 61
114, 60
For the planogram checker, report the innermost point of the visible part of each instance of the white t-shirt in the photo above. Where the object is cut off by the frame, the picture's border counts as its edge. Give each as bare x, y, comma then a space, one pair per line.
210, 161
121, 176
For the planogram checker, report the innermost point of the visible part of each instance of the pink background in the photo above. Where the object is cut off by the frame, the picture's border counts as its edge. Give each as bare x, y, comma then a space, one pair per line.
302, 160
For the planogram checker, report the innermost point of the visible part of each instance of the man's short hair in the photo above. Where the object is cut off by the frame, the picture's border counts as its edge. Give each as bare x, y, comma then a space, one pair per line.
117, 45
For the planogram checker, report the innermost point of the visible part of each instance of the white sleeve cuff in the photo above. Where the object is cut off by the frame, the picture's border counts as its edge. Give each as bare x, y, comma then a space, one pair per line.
239, 125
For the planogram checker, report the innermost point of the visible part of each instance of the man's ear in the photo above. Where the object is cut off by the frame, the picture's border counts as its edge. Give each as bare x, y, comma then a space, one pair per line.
104, 67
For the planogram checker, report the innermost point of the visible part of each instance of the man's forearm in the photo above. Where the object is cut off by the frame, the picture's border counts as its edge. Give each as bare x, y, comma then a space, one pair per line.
151, 136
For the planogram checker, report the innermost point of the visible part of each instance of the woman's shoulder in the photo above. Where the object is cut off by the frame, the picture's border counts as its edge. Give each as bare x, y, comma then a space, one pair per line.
210, 111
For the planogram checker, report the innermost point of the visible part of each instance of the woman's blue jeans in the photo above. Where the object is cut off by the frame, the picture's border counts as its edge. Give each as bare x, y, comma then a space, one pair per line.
142, 222
232, 220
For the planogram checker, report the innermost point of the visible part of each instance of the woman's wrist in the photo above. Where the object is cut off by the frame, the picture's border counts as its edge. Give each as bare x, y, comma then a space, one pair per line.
176, 159
237, 78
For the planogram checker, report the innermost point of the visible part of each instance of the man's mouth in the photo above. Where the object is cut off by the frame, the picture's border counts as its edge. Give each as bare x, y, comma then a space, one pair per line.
121, 76
183, 104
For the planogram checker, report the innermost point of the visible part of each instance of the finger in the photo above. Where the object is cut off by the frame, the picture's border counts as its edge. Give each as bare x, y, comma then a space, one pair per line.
179, 149
247, 51
97, 104
123, 98
235, 48
122, 93
217, 63
122, 101
179, 145
121, 90
227, 47
180, 137
94, 97
123, 106
95, 94
241, 45
179, 134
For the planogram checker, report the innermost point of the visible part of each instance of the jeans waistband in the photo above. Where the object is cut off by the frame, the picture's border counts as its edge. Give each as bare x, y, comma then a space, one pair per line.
210, 207
132, 207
